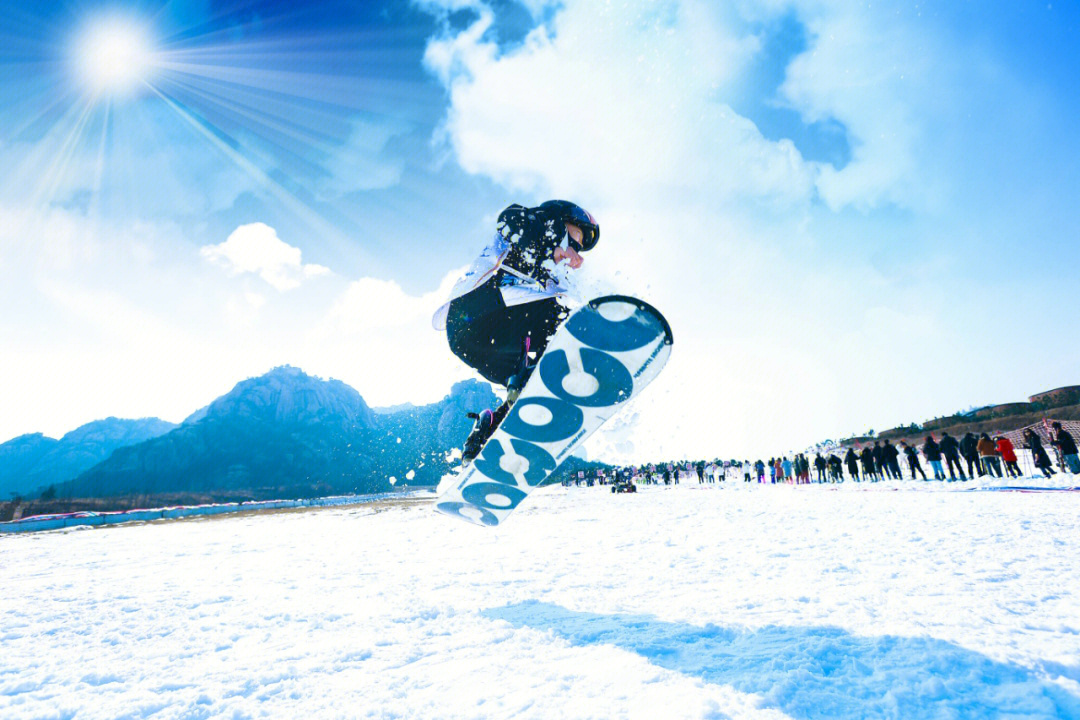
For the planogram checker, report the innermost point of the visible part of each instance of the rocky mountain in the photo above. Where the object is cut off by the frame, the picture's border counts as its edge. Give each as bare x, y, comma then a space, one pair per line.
31, 463
18, 457
288, 434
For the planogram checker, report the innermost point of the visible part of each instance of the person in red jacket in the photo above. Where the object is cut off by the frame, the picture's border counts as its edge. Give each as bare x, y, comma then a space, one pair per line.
1008, 456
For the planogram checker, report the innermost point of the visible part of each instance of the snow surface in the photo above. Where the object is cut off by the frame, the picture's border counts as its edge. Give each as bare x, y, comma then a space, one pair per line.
913, 600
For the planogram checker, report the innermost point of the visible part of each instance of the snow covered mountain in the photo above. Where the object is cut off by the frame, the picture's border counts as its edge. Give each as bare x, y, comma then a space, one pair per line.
30, 463
288, 434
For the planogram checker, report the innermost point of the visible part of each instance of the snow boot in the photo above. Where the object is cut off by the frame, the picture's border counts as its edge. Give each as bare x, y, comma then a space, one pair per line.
485, 426
487, 422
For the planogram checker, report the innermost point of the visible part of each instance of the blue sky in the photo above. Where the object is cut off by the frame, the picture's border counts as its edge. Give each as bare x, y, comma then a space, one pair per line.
853, 216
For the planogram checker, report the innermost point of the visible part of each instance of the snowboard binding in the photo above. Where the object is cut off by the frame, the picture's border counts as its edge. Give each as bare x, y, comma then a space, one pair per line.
488, 421
516, 382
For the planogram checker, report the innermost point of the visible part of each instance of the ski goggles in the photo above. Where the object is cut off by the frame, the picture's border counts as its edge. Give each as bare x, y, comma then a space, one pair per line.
590, 230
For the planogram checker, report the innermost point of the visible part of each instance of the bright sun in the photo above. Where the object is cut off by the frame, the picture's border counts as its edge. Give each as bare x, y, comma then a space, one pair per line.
113, 56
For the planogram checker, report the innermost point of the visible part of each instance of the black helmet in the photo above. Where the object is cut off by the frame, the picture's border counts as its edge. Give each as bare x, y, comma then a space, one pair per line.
575, 215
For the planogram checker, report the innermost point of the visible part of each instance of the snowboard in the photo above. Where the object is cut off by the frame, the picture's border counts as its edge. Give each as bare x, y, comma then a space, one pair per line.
601, 357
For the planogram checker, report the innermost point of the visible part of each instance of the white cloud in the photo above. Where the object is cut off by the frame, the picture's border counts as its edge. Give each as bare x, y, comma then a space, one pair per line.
885, 79
256, 248
363, 162
602, 100
371, 303
608, 101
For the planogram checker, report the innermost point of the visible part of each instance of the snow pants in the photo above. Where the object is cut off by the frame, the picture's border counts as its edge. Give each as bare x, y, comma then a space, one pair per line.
951, 460
991, 465
490, 337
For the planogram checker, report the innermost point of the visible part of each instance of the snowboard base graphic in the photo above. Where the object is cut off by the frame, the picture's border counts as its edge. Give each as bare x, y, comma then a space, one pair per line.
602, 356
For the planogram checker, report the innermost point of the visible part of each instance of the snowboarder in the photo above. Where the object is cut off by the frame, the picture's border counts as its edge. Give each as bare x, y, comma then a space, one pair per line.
502, 312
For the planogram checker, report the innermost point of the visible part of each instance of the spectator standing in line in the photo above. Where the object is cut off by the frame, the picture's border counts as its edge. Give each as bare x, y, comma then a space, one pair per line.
969, 450
772, 471
988, 456
819, 465
879, 460
852, 461
932, 452
950, 449
700, 467
836, 470
759, 467
1008, 456
1066, 444
892, 460
787, 469
1038, 452
912, 460
868, 470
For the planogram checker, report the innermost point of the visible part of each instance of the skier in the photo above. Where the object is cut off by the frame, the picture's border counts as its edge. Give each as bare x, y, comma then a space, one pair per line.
504, 310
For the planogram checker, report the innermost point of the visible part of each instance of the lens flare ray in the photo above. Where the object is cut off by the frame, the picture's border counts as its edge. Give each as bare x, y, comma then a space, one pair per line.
283, 103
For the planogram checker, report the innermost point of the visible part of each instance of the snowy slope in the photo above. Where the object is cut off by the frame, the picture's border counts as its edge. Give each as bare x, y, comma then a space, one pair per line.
722, 601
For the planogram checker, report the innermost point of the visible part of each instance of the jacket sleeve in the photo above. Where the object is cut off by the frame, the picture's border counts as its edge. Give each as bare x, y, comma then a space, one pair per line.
532, 237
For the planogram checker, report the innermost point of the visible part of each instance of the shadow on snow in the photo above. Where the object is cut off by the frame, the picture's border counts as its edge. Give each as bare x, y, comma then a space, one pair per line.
817, 672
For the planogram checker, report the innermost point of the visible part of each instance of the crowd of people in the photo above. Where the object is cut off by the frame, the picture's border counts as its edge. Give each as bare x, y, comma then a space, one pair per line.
980, 455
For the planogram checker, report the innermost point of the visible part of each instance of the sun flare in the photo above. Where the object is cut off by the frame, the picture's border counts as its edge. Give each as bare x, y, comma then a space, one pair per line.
114, 56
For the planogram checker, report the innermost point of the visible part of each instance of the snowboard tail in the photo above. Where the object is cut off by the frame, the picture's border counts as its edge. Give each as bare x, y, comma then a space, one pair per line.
603, 355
